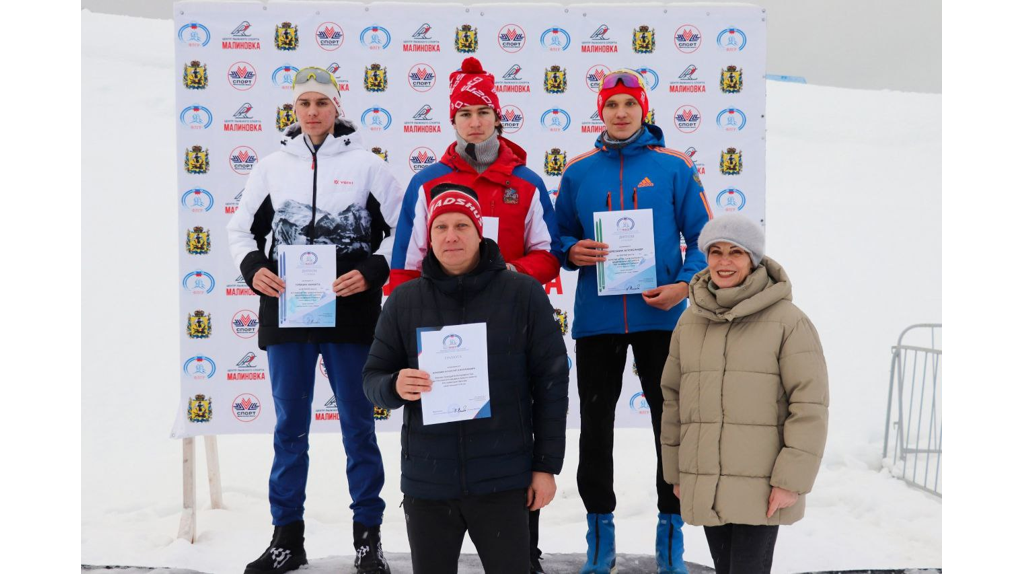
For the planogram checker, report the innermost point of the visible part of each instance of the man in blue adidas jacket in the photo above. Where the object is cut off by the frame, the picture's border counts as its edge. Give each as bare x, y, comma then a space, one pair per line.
629, 169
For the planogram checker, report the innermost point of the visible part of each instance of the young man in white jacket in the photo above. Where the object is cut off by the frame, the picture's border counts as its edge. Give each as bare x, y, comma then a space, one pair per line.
321, 188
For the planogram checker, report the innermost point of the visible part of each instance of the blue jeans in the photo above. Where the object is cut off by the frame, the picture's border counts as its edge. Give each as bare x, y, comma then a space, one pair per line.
292, 374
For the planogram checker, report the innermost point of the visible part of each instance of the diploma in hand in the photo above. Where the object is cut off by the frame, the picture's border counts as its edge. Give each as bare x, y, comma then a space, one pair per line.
308, 272
456, 358
629, 267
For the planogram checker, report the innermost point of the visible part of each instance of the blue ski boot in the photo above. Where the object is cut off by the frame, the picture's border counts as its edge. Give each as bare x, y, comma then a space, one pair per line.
600, 545
669, 546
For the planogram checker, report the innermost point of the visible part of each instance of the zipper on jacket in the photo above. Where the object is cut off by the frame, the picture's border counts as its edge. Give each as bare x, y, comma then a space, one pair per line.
635, 205
622, 205
312, 219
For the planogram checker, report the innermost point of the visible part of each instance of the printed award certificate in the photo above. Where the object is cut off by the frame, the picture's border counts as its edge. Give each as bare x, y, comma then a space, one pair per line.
308, 272
629, 267
456, 358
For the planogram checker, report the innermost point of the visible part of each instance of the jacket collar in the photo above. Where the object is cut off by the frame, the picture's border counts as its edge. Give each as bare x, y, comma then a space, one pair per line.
510, 156
491, 263
343, 139
652, 136
765, 286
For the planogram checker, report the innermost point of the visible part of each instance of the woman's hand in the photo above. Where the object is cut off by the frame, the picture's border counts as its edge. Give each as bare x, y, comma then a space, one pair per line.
780, 498
666, 296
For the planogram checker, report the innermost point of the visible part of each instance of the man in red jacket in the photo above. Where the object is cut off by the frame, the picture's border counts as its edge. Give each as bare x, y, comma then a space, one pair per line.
514, 202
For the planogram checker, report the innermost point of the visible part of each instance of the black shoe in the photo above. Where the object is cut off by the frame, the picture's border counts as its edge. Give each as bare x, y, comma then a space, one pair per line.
369, 552
535, 567
285, 553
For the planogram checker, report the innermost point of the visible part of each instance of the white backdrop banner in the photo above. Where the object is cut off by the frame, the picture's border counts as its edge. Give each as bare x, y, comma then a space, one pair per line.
705, 70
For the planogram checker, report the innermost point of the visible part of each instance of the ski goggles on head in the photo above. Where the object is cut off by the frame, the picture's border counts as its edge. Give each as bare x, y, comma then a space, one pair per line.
629, 78
313, 74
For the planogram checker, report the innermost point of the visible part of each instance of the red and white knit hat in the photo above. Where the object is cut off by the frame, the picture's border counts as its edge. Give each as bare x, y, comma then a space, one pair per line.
472, 86
449, 198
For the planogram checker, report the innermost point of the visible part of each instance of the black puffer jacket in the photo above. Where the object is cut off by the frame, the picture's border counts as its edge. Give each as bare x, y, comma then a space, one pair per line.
527, 369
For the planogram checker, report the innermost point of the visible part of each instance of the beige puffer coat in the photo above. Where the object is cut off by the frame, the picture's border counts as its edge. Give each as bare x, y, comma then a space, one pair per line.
746, 401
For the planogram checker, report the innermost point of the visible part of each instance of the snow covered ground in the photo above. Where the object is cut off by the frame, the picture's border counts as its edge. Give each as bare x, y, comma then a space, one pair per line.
853, 214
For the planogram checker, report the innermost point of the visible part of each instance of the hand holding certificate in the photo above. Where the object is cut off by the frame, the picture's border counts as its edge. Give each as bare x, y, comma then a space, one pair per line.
456, 358
309, 273
629, 268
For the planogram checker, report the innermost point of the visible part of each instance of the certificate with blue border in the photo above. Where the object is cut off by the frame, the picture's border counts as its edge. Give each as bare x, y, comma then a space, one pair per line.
456, 358
308, 272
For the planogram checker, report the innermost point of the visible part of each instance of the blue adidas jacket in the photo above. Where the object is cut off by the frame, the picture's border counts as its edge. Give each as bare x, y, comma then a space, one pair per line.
645, 174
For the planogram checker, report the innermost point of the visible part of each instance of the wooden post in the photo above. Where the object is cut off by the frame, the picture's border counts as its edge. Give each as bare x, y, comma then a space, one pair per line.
213, 471
187, 526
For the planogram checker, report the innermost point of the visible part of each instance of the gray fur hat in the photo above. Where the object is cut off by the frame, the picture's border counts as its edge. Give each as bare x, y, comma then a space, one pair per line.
736, 229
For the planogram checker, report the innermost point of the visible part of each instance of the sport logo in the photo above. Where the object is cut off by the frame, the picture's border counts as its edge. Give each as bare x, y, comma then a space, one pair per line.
308, 258
555, 40
375, 38
196, 117
512, 75
595, 77
731, 81
555, 120
511, 82
638, 404
421, 158
731, 119
687, 82
198, 282
246, 407
600, 32
421, 32
242, 76
245, 324
334, 68
554, 80
242, 159
593, 124
194, 35
643, 40
687, 38
330, 36
247, 361
625, 224
246, 369
421, 41
194, 77
452, 342
731, 162
732, 40
651, 78
687, 119
242, 30
375, 78
376, 119
242, 121
511, 38
197, 160
198, 325
197, 241
200, 367
197, 200
731, 199
422, 77
466, 41
511, 119
599, 43
286, 37
284, 76
238, 288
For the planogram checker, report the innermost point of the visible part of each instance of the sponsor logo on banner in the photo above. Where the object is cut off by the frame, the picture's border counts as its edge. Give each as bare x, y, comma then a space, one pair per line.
638, 403
285, 117
511, 119
242, 76
732, 40
554, 285
697, 164
466, 41
334, 68
555, 40
511, 38
200, 368
196, 117
194, 35
246, 369
555, 120
197, 200
554, 162
195, 77
376, 119
562, 318
595, 76
731, 119
592, 125
245, 324
421, 158
651, 78
643, 40
375, 78
330, 36
375, 38
422, 77
322, 367
198, 282
687, 38
286, 37
242, 159
238, 288
599, 43
241, 121
200, 409
422, 41
687, 119
451, 342
197, 241
731, 162
731, 199
197, 160
284, 76
687, 82
731, 81
649, 118
328, 412
241, 38
511, 82
554, 80
380, 152
246, 407
198, 325
231, 205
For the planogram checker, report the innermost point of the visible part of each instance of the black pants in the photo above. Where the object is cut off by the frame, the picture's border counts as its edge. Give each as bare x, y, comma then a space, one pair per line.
600, 361
742, 549
497, 525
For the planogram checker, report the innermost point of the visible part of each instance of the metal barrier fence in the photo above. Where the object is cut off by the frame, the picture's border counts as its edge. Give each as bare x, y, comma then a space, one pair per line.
914, 414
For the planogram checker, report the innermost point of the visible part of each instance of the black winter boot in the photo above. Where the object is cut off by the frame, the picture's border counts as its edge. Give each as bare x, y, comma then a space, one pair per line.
369, 552
285, 553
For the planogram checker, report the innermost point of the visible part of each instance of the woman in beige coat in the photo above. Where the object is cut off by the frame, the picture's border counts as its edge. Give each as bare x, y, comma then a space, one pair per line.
746, 400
